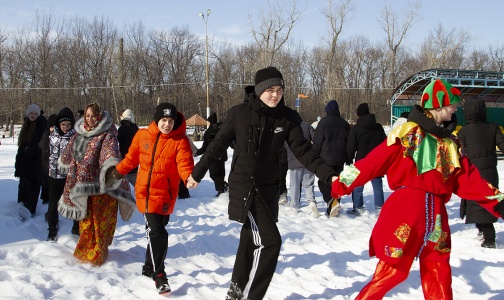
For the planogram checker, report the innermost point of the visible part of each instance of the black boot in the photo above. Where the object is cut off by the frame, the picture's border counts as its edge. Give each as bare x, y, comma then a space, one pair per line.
52, 236
75, 228
488, 244
147, 271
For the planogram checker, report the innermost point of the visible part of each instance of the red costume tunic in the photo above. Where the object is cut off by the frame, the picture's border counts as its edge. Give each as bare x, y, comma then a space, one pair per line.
423, 171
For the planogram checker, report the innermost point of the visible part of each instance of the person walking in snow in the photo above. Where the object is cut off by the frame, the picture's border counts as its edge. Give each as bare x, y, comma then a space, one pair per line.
329, 142
218, 169
162, 152
478, 139
423, 166
58, 140
364, 137
44, 147
258, 127
91, 151
28, 166
300, 176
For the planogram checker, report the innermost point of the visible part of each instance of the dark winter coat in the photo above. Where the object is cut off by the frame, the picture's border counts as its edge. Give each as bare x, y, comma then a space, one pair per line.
331, 137
478, 139
44, 148
308, 133
259, 133
125, 134
364, 137
29, 155
208, 138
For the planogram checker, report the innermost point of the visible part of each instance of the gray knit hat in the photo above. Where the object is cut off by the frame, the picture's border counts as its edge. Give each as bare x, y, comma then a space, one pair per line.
266, 78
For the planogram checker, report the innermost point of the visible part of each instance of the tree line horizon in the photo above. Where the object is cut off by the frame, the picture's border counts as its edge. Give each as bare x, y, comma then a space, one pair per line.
76, 61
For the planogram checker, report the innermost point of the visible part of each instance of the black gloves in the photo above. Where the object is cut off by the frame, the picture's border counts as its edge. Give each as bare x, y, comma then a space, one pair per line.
500, 208
112, 176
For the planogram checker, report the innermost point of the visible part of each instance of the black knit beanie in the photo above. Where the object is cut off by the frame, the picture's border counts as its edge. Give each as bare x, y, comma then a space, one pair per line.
65, 114
362, 109
266, 78
165, 110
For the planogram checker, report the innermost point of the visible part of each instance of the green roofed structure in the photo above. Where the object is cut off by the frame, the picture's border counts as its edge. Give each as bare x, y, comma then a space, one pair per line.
471, 83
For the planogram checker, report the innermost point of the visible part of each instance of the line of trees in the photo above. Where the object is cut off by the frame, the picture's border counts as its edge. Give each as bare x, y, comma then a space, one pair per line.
72, 62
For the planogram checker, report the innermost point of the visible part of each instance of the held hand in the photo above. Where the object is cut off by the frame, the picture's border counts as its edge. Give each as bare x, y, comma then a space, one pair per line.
500, 208
112, 176
334, 178
191, 183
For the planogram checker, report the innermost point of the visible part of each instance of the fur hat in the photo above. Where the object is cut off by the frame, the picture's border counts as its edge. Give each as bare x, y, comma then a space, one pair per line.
51, 121
332, 106
33, 108
362, 109
266, 78
212, 119
439, 93
65, 114
128, 115
165, 110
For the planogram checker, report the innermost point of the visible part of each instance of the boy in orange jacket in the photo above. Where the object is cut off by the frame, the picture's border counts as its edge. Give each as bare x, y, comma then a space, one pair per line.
164, 156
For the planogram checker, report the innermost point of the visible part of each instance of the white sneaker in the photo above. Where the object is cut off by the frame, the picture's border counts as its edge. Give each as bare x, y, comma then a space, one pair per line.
314, 209
283, 199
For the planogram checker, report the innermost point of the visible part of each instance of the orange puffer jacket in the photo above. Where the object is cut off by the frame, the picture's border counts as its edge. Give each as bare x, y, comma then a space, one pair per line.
163, 159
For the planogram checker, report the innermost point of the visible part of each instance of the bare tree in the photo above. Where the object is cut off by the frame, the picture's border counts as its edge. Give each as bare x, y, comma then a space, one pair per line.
444, 49
4, 50
479, 60
337, 15
396, 31
273, 29
496, 54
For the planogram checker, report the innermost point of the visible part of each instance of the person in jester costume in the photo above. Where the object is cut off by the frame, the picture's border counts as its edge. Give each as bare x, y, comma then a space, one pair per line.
424, 166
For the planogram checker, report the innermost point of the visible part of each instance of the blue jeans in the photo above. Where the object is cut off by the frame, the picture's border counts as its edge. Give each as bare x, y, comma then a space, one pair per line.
358, 200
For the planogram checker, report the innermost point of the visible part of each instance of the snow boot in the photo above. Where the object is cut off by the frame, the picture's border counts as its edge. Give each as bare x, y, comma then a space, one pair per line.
147, 271
488, 244
161, 282
52, 236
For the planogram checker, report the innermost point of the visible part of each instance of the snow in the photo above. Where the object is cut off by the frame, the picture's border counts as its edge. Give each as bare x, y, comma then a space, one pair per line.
321, 258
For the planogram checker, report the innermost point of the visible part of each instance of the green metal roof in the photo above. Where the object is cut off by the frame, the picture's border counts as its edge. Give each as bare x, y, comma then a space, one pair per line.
471, 83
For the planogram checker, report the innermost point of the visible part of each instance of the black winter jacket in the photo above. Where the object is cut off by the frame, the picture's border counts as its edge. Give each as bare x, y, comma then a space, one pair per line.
364, 137
293, 162
478, 139
330, 139
125, 134
29, 156
44, 148
259, 133
208, 138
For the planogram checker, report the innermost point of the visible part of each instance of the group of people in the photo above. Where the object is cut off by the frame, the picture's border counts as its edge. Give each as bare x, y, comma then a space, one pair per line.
337, 143
420, 158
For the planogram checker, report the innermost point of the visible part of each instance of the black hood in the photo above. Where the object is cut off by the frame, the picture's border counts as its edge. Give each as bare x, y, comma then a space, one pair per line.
418, 116
368, 121
474, 110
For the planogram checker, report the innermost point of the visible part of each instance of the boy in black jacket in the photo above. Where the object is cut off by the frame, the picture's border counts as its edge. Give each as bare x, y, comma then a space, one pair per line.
258, 127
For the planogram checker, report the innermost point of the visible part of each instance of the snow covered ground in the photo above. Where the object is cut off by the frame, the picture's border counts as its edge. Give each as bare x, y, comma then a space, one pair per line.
320, 258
